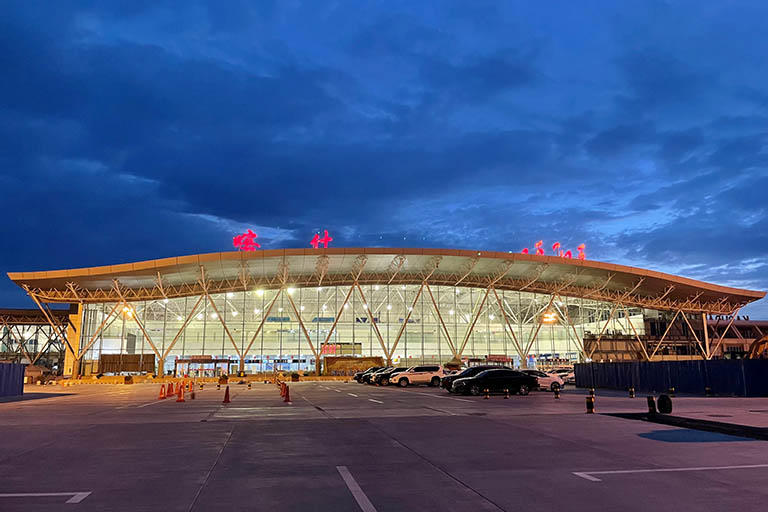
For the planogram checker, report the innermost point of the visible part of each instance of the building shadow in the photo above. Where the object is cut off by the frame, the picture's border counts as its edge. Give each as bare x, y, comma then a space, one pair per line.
31, 396
687, 435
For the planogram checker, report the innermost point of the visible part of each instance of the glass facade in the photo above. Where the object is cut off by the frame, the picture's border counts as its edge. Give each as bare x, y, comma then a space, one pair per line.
23, 343
264, 325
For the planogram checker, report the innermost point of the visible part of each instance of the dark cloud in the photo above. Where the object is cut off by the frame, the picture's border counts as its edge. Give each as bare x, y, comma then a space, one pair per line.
137, 130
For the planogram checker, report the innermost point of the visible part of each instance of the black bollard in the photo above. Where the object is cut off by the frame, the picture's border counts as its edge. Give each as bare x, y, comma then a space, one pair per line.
651, 405
592, 392
487, 394
590, 405
707, 391
671, 391
631, 392
556, 391
665, 404
506, 394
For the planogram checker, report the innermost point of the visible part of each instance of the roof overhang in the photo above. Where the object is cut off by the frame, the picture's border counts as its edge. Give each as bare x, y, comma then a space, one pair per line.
236, 271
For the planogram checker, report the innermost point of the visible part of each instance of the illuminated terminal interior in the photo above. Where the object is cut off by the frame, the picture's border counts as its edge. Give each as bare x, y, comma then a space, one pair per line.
468, 315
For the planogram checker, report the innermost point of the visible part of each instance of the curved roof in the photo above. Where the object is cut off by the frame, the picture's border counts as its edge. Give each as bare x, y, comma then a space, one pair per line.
232, 271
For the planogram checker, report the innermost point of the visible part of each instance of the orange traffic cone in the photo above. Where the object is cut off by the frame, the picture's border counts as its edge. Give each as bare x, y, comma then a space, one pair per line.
226, 396
287, 395
170, 388
161, 396
180, 396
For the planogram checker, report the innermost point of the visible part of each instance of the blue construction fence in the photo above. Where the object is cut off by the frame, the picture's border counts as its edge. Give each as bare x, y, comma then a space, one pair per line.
725, 377
11, 379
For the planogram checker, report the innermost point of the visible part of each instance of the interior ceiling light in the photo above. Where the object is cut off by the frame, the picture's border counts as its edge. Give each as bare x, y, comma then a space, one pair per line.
549, 317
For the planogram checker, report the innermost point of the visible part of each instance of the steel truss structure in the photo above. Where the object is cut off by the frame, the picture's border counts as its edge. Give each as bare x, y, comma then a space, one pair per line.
27, 336
204, 279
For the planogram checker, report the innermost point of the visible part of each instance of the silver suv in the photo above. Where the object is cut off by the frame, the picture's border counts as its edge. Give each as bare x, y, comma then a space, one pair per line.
429, 374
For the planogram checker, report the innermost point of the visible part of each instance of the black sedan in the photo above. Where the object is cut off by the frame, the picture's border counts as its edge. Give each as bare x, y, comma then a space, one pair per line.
382, 378
368, 377
495, 381
447, 381
359, 375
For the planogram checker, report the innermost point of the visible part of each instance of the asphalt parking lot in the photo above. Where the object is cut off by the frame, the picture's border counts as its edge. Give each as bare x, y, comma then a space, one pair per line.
346, 446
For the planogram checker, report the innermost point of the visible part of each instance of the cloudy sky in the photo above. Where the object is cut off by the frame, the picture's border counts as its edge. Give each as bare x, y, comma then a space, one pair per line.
141, 129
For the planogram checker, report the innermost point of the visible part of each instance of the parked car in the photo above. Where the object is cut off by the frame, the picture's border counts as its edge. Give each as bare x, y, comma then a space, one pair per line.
566, 374
429, 374
367, 378
384, 378
447, 381
359, 375
546, 380
496, 381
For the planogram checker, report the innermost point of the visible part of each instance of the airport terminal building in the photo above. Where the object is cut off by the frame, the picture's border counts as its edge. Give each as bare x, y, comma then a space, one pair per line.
256, 311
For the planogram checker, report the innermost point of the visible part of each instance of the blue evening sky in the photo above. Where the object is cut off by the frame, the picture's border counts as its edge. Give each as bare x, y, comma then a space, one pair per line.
136, 129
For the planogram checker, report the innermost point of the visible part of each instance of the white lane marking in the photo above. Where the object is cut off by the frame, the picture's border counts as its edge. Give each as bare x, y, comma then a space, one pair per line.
587, 475
360, 497
377, 401
337, 390
352, 394
77, 497
150, 403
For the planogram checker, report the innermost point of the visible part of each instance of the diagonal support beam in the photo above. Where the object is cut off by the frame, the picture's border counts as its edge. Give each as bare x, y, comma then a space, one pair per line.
49, 318
698, 342
468, 267
474, 321
191, 315
440, 318
721, 338
99, 330
373, 321
335, 322
405, 321
303, 328
261, 324
579, 342
637, 337
535, 332
509, 325
394, 267
666, 331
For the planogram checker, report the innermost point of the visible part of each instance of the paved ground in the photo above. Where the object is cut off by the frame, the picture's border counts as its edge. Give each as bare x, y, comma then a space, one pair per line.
356, 447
